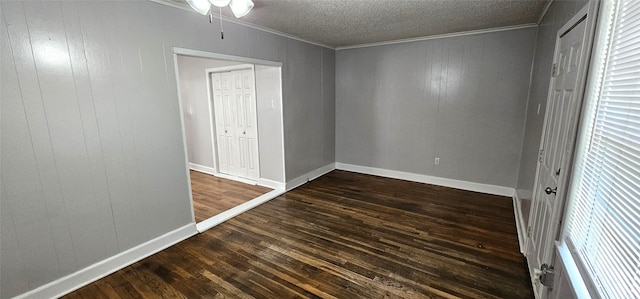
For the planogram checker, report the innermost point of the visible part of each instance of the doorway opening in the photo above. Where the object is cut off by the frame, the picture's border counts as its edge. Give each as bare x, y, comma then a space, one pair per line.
231, 114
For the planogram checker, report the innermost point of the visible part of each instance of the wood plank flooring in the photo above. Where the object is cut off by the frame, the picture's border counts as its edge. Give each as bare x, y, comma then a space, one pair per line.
344, 235
213, 195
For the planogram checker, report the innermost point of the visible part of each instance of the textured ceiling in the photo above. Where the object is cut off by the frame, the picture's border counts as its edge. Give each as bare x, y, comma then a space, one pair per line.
339, 23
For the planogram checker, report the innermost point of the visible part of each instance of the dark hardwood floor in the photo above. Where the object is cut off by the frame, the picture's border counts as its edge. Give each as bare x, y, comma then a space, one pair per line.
344, 235
213, 195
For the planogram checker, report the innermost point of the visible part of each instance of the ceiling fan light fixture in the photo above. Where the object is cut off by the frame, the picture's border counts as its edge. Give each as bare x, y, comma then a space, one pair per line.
220, 3
241, 7
201, 6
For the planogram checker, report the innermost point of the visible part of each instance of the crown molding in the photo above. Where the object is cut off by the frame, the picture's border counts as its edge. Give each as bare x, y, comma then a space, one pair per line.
544, 12
438, 36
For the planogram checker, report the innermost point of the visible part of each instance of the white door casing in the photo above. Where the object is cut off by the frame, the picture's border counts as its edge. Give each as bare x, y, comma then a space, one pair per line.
236, 118
216, 91
556, 148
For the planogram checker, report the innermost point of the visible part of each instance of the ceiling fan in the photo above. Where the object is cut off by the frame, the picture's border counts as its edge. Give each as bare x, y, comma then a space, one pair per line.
239, 7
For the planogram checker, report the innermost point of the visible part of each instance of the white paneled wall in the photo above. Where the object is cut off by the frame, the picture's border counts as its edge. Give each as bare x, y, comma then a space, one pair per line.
92, 159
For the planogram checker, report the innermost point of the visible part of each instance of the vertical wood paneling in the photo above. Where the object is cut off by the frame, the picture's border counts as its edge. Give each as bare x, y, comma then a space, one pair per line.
17, 165
38, 206
167, 138
57, 87
301, 104
92, 154
145, 69
429, 120
263, 45
329, 105
460, 99
99, 64
236, 38
98, 180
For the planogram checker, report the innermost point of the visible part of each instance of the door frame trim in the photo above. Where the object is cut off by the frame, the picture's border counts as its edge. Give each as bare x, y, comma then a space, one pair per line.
218, 56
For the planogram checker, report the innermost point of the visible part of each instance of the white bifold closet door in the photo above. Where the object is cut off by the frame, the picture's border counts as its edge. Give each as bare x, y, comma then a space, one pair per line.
235, 123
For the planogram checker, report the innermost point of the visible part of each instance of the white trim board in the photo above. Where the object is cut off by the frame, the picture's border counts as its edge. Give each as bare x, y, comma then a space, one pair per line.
421, 178
521, 227
213, 172
260, 182
271, 184
577, 281
310, 176
235, 178
437, 36
202, 168
237, 210
80, 278
218, 56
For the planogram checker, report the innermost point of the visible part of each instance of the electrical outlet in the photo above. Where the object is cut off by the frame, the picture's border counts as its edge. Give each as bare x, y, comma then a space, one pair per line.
436, 161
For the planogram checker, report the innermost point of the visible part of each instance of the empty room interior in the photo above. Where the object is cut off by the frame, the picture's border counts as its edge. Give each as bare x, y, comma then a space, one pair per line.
320, 149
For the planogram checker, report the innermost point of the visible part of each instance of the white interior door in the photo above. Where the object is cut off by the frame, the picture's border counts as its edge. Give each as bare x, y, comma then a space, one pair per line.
239, 127
250, 118
236, 119
223, 109
220, 123
556, 148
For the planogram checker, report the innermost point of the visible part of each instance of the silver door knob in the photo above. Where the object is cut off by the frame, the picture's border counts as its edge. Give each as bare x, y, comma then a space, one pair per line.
548, 190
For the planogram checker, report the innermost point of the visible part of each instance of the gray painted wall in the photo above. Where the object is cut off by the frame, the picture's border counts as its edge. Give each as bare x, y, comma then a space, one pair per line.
306, 133
91, 145
329, 105
461, 99
270, 135
195, 105
558, 14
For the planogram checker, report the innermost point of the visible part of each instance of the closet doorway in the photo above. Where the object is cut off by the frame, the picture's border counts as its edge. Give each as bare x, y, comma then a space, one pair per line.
231, 114
235, 120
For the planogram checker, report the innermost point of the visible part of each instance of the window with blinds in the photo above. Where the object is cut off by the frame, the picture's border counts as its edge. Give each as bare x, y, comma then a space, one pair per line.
603, 216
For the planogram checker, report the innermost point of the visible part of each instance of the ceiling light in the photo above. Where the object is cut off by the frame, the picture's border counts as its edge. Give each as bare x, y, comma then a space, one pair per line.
220, 3
201, 6
241, 7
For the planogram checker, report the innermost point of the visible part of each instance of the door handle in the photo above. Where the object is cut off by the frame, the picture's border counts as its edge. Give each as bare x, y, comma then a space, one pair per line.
548, 190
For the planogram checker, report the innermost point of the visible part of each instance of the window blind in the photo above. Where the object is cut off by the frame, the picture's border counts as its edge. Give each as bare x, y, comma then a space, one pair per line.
603, 218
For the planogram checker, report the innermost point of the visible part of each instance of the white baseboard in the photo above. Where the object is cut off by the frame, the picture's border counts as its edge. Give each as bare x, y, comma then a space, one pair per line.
521, 227
78, 279
237, 210
202, 168
212, 171
310, 176
235, 178
421, 178
271, 184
